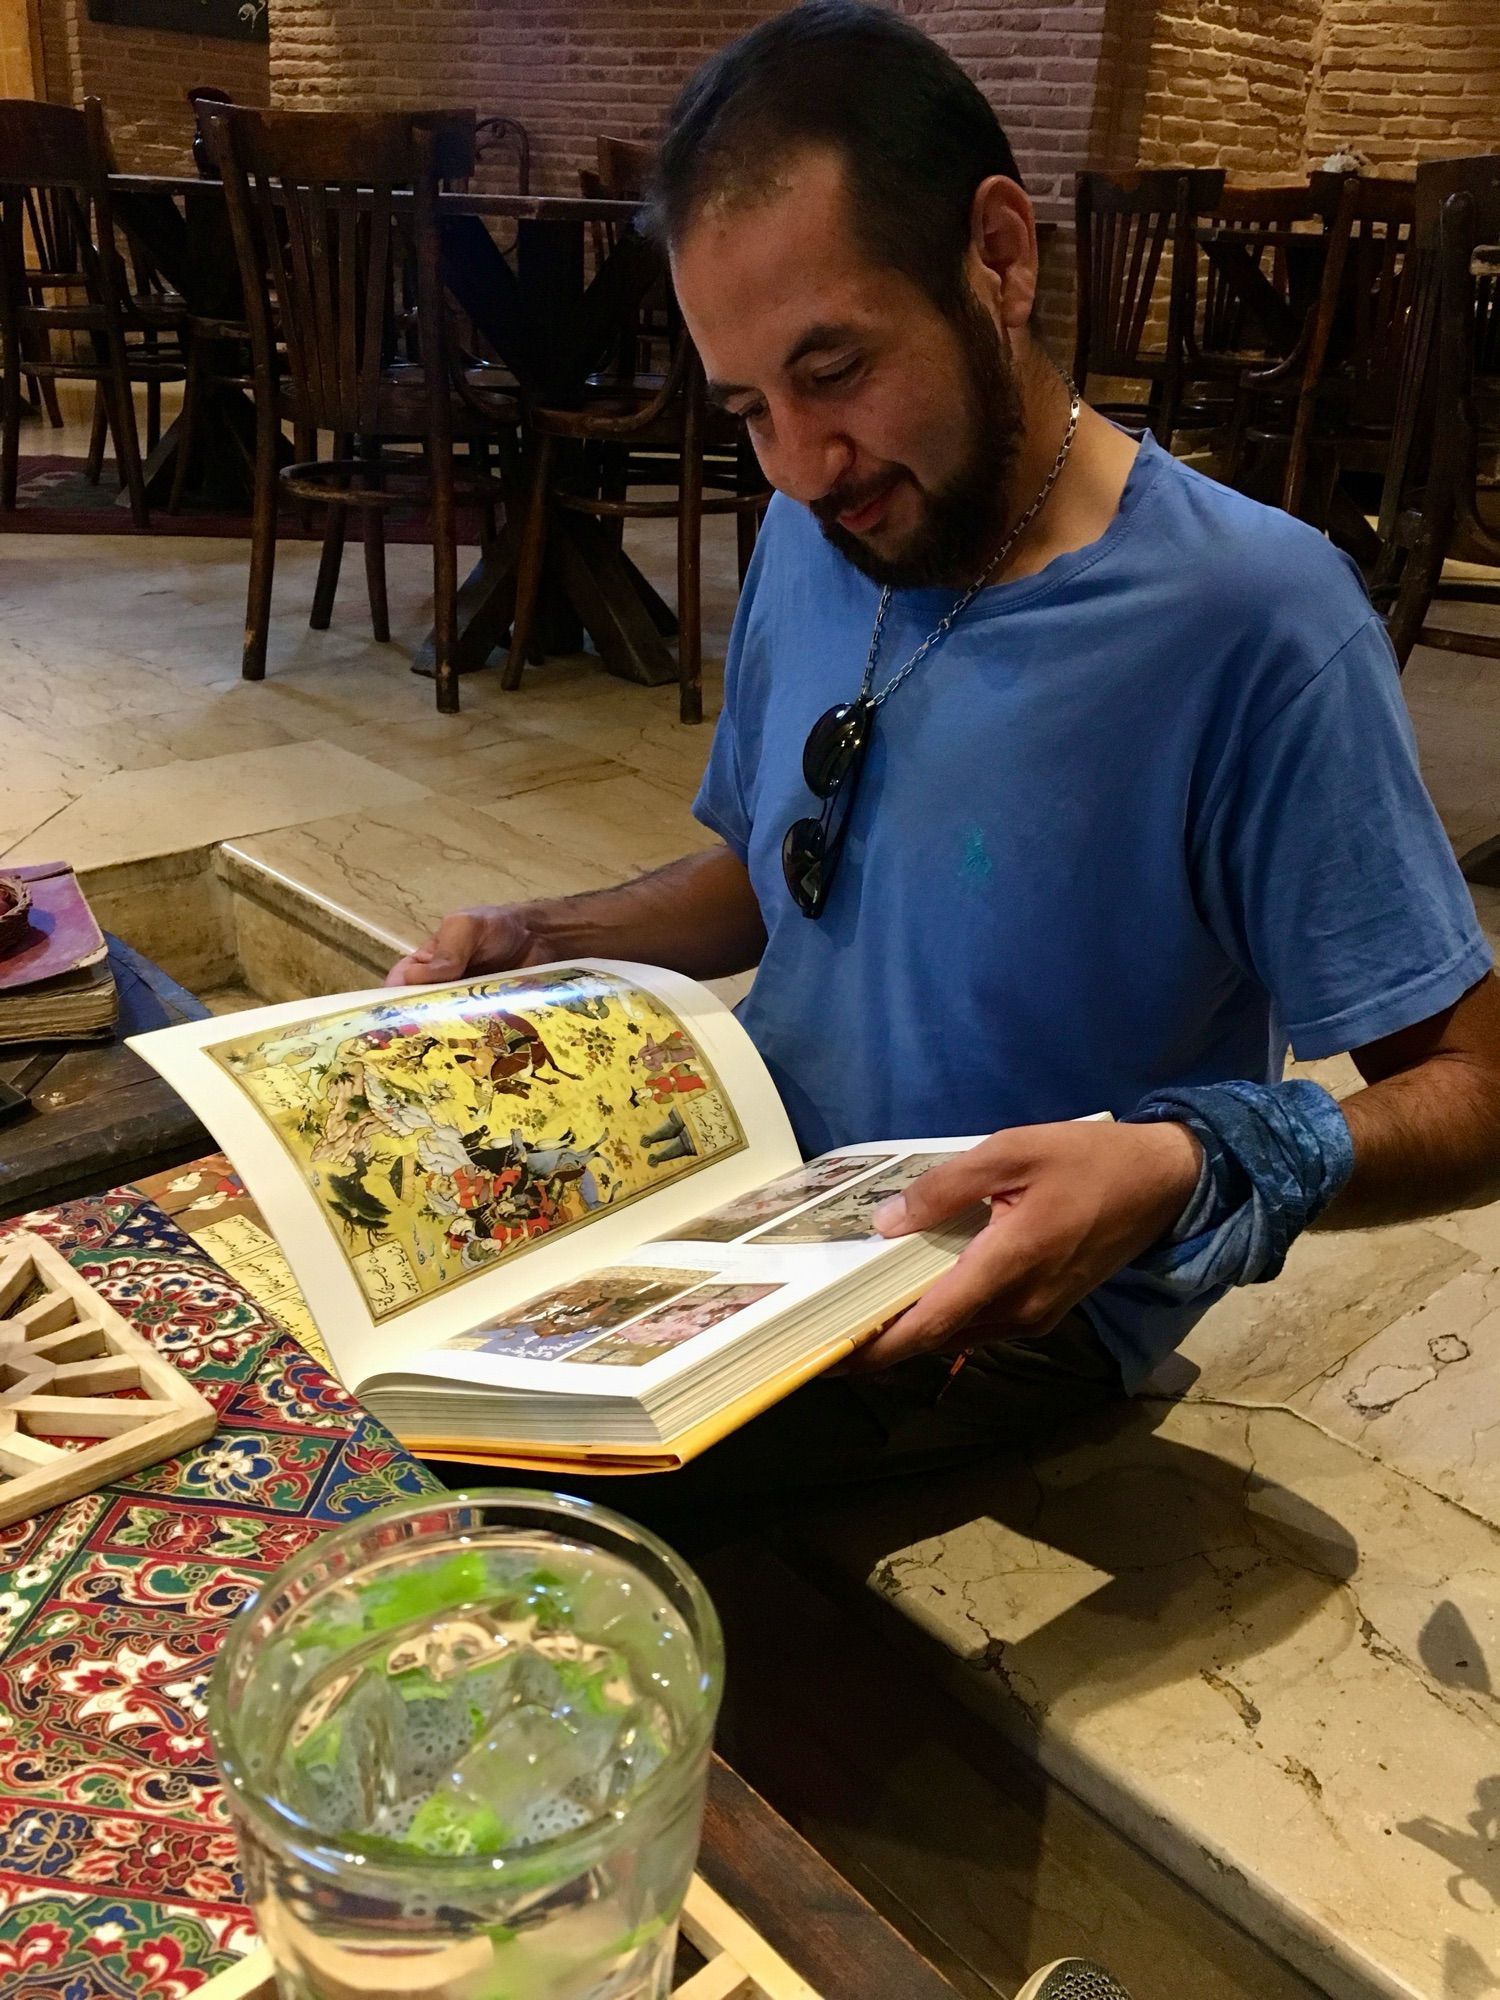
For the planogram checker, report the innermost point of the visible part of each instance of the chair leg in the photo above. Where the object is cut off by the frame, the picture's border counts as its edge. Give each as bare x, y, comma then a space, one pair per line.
127, 441
187, 426
747, 478
1420, 576
690, 567
153, 416
50, 404
304, 451
262, 546
529, 568
10, 428
98, 436
444, 514
373, 529
331, 560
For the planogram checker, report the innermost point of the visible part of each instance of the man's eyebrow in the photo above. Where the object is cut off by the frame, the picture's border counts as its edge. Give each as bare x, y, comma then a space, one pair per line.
827, 334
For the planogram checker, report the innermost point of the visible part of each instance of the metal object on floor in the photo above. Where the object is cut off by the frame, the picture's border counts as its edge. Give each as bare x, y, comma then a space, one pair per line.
1072, 1979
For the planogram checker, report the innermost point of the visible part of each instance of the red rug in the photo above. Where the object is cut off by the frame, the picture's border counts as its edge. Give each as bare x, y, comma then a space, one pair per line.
54, 497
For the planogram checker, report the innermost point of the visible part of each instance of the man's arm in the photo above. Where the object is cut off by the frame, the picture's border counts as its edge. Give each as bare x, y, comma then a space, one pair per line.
1426, 1130
1072, 1204
698, 916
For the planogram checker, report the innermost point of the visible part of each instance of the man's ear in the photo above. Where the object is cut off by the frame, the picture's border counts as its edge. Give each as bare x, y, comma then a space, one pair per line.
1002, 253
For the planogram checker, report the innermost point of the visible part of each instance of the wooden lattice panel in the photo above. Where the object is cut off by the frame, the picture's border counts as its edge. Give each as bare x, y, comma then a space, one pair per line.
71, 1367
741, 1965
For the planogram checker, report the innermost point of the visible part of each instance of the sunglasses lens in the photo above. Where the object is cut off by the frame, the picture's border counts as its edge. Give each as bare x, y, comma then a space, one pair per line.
802, 856
834, 744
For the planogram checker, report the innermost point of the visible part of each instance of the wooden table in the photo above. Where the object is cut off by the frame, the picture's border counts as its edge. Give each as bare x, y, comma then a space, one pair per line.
1235, 253
549, 323
802, 1907
293, 1456
101, 1116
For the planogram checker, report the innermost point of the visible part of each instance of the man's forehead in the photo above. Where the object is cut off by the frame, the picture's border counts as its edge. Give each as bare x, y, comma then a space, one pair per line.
788, 273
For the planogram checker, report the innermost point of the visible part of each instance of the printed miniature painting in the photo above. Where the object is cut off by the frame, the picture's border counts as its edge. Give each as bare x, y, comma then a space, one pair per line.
669, 1326
845, 1216
554, 1326
764, 1204
442, 1132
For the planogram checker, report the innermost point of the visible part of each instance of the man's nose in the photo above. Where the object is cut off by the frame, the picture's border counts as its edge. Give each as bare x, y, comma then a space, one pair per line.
806, 459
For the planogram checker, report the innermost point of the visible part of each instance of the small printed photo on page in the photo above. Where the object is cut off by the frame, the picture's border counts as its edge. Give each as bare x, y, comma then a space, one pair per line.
671, 1326
761, 1205
554, 1326
845, 1216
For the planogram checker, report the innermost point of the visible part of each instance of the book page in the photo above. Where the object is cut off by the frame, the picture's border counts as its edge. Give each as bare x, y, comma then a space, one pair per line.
414, 1148
683, 1300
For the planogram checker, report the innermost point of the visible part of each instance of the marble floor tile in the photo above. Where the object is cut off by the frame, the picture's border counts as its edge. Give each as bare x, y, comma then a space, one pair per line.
131, 814
1338, 1290
1423, 1395
631, 821
1266, 1658
397, 868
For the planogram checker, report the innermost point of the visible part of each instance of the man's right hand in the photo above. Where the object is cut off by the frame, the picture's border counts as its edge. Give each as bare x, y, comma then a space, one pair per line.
492, 938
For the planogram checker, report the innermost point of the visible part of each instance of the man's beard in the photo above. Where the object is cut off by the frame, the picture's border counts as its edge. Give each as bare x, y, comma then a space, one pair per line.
963, 522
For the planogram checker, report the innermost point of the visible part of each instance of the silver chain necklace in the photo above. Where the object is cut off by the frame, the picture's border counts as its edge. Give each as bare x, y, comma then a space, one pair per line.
994, 563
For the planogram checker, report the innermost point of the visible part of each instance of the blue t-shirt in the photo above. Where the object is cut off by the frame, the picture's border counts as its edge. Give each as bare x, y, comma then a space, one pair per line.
1143, 818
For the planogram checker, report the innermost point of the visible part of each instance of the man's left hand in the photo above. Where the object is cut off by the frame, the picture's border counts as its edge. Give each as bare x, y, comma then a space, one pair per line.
1070, 1205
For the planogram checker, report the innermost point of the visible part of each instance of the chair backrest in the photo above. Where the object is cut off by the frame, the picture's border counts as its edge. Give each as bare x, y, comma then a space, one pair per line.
55, 163
497, 139
325, 250
53, 145
199, 94
1453, 339
1259, 218
1372, 275
1135, 238
625, 166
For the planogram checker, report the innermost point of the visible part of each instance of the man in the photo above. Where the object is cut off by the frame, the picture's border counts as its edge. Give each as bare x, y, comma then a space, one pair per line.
1139, 802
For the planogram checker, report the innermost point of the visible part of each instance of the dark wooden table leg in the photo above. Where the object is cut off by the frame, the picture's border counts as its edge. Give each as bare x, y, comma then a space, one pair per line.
605, 586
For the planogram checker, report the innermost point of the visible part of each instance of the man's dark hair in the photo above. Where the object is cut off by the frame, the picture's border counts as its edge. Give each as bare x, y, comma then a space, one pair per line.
916, 135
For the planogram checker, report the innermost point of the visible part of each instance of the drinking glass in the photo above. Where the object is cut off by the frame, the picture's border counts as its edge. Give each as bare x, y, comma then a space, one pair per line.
465, 1743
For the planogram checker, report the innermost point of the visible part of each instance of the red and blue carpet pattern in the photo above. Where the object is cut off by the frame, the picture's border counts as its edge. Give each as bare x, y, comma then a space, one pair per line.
118, 1873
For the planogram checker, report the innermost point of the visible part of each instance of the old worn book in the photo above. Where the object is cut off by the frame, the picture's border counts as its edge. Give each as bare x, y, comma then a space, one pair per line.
55, 980
555, 1217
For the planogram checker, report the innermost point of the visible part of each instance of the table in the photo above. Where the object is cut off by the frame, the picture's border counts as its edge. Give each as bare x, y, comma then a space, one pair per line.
550, 324
1236, 254
100, 1115
118, 1871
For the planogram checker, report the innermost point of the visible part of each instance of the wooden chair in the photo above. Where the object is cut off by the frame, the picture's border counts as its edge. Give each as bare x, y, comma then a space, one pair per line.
1447, 423
327, 247
497, 140
1331, 402
661, 440
1137, 265
54, 184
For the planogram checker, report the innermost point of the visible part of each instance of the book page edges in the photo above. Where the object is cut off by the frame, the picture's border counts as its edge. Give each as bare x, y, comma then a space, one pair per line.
597, 1460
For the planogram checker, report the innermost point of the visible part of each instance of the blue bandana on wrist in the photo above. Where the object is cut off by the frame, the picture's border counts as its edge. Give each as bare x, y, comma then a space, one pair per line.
1274, 1156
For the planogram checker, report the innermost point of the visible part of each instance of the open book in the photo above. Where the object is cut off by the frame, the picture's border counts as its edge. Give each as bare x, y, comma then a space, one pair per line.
553, 1217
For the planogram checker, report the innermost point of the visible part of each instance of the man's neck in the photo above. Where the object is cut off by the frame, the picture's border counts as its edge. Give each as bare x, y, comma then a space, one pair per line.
1087, 495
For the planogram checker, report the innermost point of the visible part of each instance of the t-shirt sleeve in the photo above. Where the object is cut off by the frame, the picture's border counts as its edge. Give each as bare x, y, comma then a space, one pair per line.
1324, 871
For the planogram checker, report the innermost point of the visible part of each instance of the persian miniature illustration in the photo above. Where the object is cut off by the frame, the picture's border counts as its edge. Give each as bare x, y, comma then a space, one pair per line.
845, 1217
442, 1132
554, 1326
763, 1204
668, 1326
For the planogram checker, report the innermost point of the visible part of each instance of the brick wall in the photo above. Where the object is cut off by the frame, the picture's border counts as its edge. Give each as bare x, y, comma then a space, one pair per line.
574, 68
1213, 83
1403, 80
141, 75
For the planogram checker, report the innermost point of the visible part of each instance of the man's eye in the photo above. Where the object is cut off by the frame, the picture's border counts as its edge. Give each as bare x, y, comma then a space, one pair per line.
832, 376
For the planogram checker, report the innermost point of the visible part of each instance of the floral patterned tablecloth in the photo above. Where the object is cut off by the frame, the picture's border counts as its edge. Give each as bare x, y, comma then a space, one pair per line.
118, 1873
